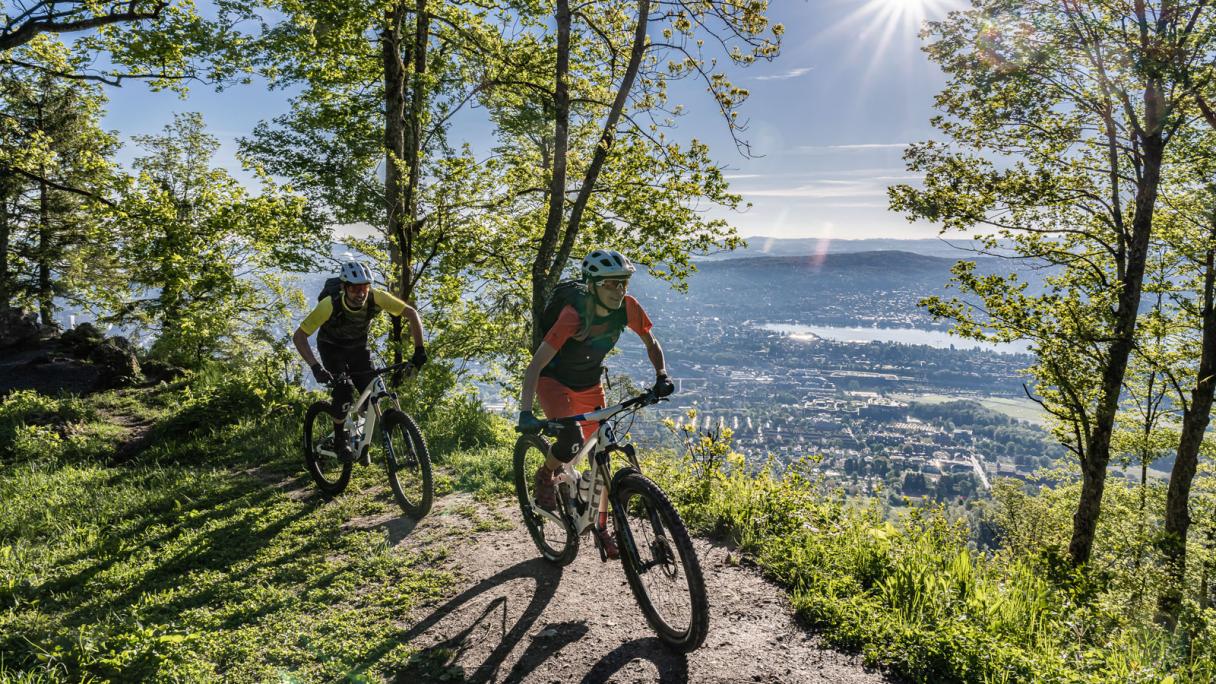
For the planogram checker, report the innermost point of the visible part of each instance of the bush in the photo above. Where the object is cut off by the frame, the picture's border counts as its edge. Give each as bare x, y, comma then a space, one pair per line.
33, 424
223, 394
918, 599
451, 418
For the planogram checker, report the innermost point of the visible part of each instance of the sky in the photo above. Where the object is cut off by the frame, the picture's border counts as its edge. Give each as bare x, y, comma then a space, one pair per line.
827, 120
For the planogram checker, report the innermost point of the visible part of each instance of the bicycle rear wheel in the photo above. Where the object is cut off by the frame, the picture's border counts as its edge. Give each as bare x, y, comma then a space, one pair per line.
552, 531
660, 562
408, 463
327, 470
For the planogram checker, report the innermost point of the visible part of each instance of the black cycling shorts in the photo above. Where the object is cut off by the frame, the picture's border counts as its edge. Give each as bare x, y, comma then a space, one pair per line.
357, 361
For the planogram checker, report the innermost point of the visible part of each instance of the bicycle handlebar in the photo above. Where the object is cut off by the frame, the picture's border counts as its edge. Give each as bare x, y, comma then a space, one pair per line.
552, 427
344, 377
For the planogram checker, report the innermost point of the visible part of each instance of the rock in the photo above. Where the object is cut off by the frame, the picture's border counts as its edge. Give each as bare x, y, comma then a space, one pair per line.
18, 328
82, 340
123, 343
118, 367
159, 371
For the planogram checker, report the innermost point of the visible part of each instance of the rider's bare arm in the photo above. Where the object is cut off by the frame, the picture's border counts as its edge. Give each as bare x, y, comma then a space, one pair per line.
544, 354
300, 340
655, 352
415, 322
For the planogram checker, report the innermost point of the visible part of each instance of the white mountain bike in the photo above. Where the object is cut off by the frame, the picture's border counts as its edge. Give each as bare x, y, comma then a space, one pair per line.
398, 442
656, 551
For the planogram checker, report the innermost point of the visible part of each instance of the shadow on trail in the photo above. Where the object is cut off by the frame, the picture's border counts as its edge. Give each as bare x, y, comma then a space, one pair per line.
493, 620
544, 647
396, 528
672, 667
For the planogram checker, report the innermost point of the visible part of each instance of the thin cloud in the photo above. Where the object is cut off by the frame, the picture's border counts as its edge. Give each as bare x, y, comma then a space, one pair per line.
860, 147
824, 189
792, 73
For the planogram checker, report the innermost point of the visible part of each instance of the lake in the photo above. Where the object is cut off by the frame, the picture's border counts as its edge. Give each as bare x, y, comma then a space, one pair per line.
932, 338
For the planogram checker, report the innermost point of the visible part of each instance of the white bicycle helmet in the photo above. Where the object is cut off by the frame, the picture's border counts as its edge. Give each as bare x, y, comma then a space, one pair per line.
606, 263
355, 273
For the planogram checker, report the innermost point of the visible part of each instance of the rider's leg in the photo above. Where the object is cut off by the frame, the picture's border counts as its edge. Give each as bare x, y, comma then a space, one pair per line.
557, 401
561, 401
336, 361
359, 363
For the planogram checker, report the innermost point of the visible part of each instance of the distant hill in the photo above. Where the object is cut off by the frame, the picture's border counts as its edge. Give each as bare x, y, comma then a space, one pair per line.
877, 286
780, 247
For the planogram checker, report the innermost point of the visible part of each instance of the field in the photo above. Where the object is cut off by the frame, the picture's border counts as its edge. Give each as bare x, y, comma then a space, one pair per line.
1018, 408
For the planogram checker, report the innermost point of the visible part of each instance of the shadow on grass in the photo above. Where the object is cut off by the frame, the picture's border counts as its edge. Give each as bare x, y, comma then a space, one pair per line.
441, 658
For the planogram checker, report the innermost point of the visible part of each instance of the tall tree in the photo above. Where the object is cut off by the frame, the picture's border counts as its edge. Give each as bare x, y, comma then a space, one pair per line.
1058, 117
381, 83
1193, 241
1191, 366
203, 256
586, 105
58, 175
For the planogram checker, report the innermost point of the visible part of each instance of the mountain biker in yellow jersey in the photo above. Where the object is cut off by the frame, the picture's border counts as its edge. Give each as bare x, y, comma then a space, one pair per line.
342, 320
565, 370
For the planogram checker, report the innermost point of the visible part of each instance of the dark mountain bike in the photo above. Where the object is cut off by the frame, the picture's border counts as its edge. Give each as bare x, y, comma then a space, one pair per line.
657, 554
398, 442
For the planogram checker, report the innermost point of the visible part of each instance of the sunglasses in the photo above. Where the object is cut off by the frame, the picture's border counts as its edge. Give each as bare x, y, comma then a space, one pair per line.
615, 284
358, 289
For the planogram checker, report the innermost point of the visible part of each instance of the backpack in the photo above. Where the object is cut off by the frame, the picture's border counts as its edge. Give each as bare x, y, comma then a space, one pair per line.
332, 287
566, 293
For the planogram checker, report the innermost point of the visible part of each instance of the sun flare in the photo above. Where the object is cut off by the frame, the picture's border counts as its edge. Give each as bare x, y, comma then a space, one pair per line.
880, 25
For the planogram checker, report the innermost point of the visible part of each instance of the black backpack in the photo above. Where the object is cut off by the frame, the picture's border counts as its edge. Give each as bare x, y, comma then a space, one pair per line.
566, 293
332, 287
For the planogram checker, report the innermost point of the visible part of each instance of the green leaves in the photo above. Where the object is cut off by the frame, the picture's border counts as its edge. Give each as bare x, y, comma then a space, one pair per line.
201, 254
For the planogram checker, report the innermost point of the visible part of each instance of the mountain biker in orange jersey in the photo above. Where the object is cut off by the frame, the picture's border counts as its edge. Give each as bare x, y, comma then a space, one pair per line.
342, 321
565, 370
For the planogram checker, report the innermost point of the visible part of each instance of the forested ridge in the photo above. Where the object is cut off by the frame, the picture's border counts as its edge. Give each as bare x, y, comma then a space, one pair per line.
156, 522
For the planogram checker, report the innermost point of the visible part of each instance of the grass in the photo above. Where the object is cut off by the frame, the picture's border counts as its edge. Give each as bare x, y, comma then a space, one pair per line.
918, 599
209, 557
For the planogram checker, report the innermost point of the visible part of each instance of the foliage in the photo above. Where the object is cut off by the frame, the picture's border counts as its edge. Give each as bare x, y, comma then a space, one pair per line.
37, 427
201, 254
919, 600
166, 43
56, 175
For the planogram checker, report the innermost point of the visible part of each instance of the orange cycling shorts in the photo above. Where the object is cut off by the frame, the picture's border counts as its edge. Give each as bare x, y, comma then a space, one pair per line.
559, 401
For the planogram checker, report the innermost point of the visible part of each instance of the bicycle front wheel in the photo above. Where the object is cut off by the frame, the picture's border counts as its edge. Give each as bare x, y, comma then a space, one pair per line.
408, 463
660, 561
552, 531
327, 470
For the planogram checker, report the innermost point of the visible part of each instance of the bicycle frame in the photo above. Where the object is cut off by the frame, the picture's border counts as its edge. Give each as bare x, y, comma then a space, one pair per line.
601, 457
375, 391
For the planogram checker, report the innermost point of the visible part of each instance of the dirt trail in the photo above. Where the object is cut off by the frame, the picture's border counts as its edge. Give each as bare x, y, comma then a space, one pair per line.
521, 619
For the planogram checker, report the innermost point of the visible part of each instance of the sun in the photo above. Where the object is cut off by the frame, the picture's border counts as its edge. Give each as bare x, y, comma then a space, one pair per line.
877, 26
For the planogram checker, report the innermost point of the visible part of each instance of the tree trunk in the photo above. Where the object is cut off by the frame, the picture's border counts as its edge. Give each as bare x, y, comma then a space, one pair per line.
413, 144
392, 51
1194, 425
46, 304
557, 179
411, 131
6, 289
605, 144
1097, 452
